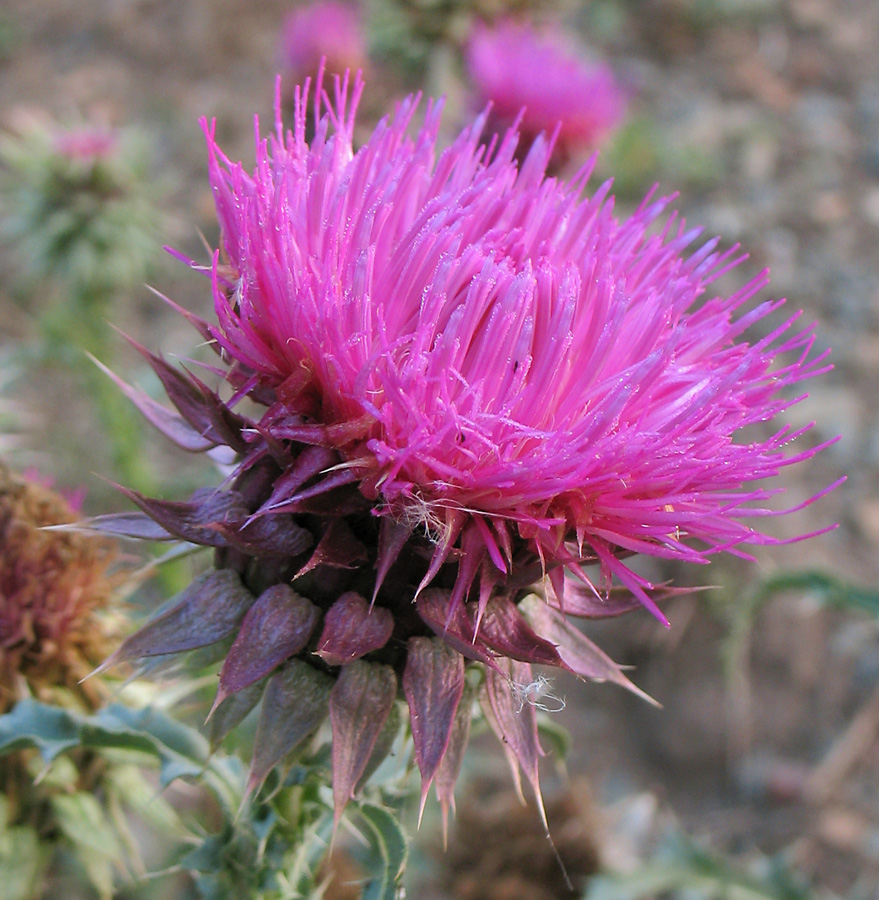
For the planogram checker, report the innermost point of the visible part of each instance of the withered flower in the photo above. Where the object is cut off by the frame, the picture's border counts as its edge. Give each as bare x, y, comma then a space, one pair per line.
55, 587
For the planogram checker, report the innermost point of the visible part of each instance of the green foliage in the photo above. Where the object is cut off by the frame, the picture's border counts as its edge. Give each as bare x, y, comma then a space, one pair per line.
267, 848
385, 853
84, 792
75, 203
639, 155
20, 860
91, 833
830, 590
682, 869
554, 738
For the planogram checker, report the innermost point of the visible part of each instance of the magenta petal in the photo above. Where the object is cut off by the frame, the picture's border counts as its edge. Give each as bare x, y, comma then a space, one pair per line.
294, 704
577, 652
514, 722
275, 628
504, 629
206, 612
353, 628
433, 682
450, 765
359, 705
452, 623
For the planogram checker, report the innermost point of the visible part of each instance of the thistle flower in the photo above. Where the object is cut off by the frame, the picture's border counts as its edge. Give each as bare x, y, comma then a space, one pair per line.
76, 207
53, 588
326, 30
468, 379
540, 76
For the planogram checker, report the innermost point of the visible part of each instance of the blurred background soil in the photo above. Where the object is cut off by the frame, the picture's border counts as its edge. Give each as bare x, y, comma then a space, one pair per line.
764, 115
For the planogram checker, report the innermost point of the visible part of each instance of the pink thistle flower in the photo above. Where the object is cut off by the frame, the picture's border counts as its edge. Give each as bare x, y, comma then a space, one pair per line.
326, 30
86, 144
470, 379
540, 76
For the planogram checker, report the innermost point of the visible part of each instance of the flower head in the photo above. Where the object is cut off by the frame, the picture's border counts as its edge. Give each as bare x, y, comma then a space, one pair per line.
538, 75
77, 207
327, 29
53, 588
87, 144
469, 379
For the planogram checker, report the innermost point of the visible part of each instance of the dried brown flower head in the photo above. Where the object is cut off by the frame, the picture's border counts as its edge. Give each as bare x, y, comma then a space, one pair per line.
54, 586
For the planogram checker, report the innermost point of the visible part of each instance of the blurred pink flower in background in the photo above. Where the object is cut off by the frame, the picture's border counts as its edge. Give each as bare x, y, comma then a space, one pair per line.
86, 143
330, 29
515, 67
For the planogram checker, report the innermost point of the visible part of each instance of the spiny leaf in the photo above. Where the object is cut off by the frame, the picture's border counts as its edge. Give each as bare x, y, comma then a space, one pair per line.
339, 548
199, 405
192, 520
452, 623
135, 525
232, 711
382, 747
388, 850
33, 724
215, 518
173, 426
450, 765
504, 629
